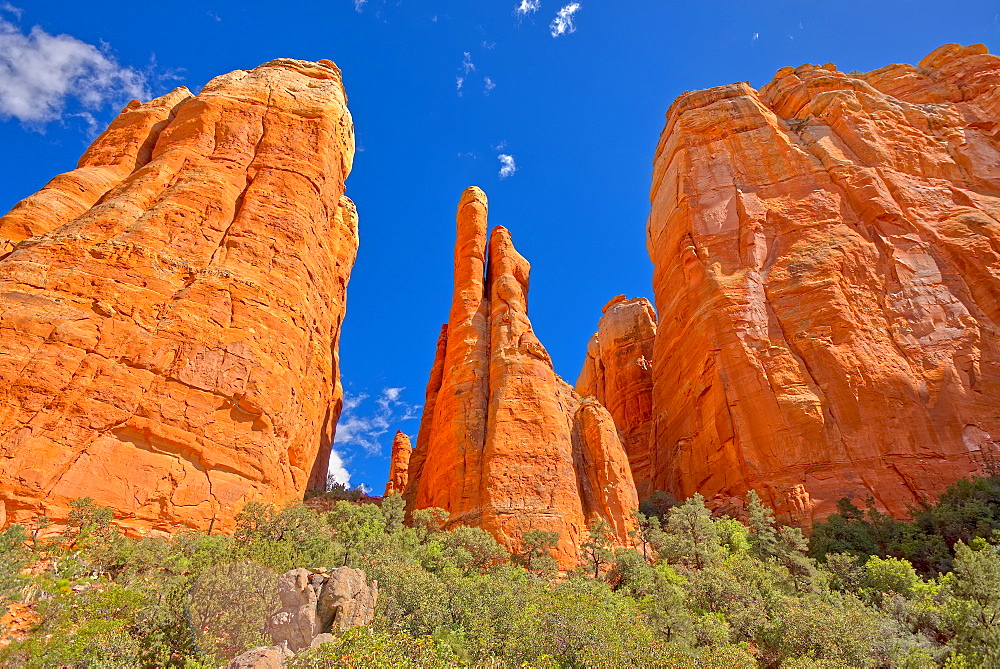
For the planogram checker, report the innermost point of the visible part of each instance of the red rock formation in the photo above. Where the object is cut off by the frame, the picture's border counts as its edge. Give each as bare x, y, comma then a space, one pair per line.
125, 146
170, 311
618, 371
827, 274
504, 443
399, 464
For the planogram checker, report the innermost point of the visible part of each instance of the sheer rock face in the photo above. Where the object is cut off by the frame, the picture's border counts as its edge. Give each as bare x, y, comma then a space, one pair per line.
170, 311
399, 464
618, 371
827, 274
504, 443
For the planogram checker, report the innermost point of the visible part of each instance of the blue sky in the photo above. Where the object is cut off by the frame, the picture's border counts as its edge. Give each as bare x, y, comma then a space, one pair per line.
573, 93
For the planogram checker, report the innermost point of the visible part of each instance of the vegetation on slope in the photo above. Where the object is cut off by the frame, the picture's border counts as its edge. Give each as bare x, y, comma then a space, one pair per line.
696, 591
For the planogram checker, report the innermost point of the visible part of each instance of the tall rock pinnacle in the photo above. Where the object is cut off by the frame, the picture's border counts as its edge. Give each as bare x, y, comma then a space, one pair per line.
504, 443
618, 371
399, 464
827, 275
170, 310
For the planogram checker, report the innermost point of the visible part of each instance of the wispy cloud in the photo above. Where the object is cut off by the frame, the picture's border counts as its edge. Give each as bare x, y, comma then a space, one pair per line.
489, 46
563, 22
7, 7
215, 17
363, 425
488, 85
40, 73
527, 7
507, 166
467, 64
359, 5
755, 37
465, 68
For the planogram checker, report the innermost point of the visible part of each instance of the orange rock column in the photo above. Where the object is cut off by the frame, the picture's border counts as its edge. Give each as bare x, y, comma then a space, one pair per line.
500, 445
618, 371
399, 464
168, 333
827, 277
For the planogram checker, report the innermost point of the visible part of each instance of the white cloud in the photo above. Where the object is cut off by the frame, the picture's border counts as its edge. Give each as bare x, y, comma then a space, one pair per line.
338, 472
563, 22
488, 85
467, 64
527, 7
459, 81
7, 7
215, 17
359, 5
40, 73
363, 427
507, 166
755, 37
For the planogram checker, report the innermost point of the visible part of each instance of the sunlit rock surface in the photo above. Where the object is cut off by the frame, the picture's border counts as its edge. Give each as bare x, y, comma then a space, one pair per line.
827, 279
170, 311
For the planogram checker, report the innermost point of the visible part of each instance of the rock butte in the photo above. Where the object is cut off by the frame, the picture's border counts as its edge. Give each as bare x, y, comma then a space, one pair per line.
504, 443
827, 275
170, 310
399, 464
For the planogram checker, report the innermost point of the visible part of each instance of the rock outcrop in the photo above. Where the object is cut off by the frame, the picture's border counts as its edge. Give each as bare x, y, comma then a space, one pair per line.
618, 371
170, 310
318, 602
827, 275
399, 464
504, 443
264, 657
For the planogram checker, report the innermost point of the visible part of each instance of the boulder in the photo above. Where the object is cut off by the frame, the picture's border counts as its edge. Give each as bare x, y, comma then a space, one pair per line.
317, 602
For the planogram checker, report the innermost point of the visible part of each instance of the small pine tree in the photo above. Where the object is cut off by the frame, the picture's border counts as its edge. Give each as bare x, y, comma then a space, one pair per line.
536, 552
597, 548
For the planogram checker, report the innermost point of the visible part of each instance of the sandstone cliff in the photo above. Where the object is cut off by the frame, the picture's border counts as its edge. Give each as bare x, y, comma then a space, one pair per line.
504, 443
170, 310
618, 371
827, 274
399, 464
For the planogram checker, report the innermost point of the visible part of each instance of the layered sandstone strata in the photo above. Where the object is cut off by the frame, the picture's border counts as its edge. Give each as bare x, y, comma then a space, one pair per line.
170, 310
618, 371
827, 274
399, 464
504, 443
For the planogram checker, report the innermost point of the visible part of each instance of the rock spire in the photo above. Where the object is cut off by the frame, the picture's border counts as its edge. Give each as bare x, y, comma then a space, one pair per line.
399, 464
504, 443
618, 371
